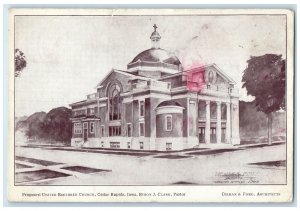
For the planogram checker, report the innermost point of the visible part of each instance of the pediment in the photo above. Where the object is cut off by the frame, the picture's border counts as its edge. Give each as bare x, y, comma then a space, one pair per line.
214, 75
122, 78
114, 75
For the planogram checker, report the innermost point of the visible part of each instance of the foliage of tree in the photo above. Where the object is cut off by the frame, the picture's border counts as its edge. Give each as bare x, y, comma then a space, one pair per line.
264, 78
52, 127
35, 124
20, 62
58, 126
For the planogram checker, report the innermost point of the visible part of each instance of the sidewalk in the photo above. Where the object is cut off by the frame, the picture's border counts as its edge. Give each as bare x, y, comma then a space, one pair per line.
203, 149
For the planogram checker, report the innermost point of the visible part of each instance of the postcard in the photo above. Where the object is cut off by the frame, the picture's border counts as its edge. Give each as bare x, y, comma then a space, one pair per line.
151, 105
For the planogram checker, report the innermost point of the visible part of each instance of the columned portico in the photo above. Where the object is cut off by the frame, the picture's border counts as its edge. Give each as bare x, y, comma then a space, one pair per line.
207, 124
218, 122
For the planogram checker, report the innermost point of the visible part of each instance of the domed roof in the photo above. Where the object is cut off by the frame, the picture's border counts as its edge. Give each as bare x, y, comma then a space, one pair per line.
157, 55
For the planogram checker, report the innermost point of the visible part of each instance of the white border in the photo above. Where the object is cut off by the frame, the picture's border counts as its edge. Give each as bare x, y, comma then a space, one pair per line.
195, 193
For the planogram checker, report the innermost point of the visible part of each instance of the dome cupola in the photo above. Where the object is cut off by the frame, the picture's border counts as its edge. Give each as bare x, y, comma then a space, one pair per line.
155, 61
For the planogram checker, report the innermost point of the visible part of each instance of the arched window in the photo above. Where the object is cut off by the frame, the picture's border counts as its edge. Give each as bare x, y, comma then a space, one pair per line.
114, 102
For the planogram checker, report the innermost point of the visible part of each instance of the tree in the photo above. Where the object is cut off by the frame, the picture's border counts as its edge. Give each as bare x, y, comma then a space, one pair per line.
264, 78
20, 62
52, 127
35, 124
58, 126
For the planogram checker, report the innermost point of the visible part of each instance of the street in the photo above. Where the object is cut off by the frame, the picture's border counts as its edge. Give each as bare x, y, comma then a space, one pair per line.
257, 165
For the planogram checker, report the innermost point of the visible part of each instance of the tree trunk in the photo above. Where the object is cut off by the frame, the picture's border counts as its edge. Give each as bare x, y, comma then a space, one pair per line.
269, 128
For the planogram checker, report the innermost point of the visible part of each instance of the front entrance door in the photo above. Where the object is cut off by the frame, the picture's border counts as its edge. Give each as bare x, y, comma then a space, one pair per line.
85, 131
201, 134
223, 135
213, 137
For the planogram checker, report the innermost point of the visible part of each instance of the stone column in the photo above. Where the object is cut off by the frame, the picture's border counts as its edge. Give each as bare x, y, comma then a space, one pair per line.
235, 128
207, 125
219, 130
152, 126
228, 124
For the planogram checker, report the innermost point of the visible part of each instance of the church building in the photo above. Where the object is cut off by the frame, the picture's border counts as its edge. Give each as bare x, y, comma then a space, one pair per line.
158, 105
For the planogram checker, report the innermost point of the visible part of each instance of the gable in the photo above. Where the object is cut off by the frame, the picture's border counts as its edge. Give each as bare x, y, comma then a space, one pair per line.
215, 75
115, 76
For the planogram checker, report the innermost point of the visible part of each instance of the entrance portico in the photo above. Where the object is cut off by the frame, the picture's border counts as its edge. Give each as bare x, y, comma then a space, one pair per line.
215, 122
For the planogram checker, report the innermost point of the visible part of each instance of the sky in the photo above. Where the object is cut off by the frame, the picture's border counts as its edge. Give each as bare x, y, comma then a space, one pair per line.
67, 56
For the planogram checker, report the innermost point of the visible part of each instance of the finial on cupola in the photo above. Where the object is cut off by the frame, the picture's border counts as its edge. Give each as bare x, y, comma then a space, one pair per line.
155, 37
